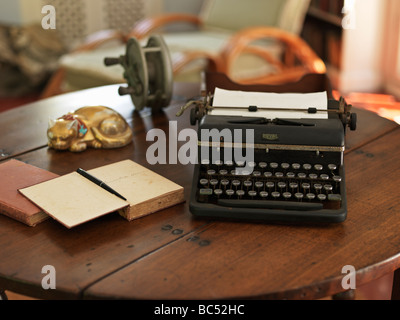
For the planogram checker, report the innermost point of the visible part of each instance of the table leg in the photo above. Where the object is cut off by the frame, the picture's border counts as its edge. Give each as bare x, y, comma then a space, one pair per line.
3, 295
396, 285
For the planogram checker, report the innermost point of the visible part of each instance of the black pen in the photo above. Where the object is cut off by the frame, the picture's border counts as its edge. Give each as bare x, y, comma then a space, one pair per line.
99, 182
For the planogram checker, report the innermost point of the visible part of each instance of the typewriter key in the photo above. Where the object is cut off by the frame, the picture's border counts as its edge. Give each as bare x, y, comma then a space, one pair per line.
206, 192
282, 185
319, 167
279, 174
274, 165
218, 163
307, 166
335, 201
321, 197
247, 183
287, 195
275, 195
332, 167
296, 166
262, 165
293, 185
211, 172
318, 187
337, 178
328, 187
214, 182
204, 182
223, 172
252, 164
334, 197
270, 184
310, 196
225, 182
285, 166
299, 196
290, 175
324, 177
229, 163
306, 186
240, 193
218, 192
236, 183
313, 176
256, 174
240, 163
252, 193
302, 175
264, 194
230, 192
259, 184
268, 174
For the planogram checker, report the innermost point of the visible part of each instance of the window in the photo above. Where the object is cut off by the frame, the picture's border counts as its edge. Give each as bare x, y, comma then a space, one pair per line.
392, 48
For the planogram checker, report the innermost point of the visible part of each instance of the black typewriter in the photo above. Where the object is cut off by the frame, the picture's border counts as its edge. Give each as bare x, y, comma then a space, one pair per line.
296, 173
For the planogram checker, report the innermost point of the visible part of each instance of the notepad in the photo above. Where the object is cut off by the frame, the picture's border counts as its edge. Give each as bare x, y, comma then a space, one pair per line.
231, 102
73, 200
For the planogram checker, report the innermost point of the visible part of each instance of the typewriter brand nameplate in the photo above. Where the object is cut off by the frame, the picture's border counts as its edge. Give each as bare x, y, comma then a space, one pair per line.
270, 136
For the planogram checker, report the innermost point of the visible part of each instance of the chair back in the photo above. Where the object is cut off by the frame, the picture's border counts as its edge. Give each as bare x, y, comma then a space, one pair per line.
228, 15
293, 15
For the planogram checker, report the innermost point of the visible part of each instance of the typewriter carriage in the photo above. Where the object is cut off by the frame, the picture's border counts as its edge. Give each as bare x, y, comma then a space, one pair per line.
201, 107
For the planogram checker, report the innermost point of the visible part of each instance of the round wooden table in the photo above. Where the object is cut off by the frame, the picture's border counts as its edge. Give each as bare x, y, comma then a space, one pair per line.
171, 254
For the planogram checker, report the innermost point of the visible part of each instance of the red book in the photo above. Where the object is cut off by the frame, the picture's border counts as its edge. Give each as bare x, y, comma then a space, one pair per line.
15, 175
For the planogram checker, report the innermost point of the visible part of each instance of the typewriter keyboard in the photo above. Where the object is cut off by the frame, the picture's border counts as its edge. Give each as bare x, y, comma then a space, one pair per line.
296, 186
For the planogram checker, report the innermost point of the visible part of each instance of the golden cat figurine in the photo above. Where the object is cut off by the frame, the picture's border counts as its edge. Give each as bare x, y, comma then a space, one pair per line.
95, 127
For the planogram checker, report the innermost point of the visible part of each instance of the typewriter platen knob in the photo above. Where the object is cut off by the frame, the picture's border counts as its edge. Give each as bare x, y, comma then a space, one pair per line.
194, 116
353, 122
349, 119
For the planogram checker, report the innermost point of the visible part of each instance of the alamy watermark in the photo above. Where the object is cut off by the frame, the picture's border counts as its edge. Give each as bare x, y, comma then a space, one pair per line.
49, 280
215, 140
348, 11
214, 146
349, 15
49, 19
349, 280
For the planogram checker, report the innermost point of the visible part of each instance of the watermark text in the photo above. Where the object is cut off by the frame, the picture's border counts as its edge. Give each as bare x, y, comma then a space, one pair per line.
349, 15
49, 20
49, 280
349, 280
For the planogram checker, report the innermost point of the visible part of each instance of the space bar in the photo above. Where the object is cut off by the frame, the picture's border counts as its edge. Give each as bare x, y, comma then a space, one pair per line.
268, 204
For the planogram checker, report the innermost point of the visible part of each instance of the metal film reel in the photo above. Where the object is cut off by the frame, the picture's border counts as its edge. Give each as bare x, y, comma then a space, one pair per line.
148, 71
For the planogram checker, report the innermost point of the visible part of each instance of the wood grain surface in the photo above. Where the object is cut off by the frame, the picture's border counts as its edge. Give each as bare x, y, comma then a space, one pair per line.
172, 255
